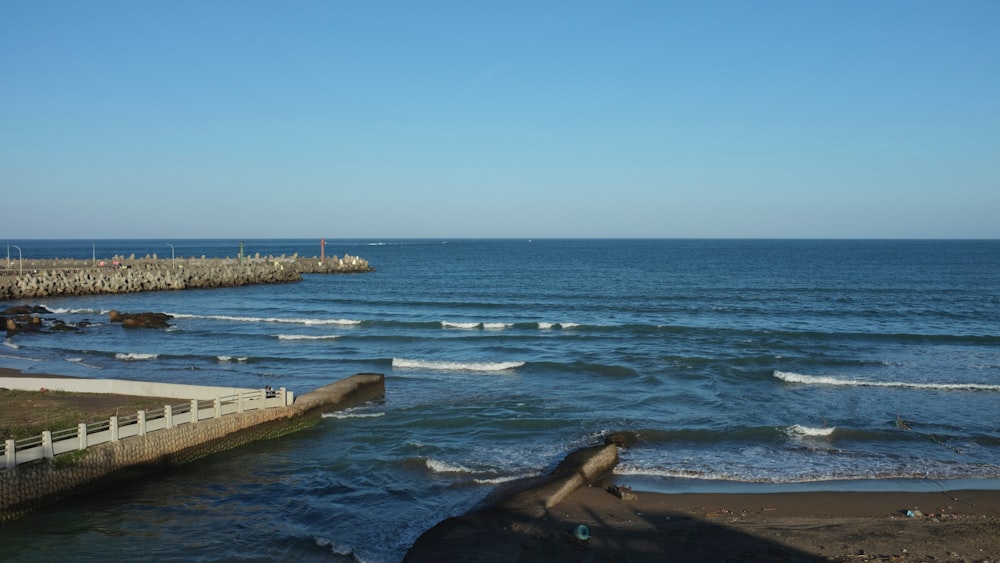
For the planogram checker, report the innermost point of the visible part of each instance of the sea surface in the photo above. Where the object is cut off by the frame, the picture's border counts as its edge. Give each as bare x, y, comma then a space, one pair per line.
775, 364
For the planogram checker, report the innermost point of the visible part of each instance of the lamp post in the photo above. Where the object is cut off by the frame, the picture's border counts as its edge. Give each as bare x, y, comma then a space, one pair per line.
20, 261
173, 262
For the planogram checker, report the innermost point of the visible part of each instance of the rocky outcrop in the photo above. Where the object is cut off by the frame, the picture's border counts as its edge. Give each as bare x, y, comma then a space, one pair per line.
48, 278
140, 320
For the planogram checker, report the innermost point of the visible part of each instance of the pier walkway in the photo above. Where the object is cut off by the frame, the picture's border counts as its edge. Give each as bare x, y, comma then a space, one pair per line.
58, 464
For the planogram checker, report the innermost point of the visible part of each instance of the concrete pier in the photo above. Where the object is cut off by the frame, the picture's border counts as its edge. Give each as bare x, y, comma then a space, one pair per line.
48, 278
38, 484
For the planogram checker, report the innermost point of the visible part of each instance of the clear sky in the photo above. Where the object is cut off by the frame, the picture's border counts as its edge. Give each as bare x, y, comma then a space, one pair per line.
466, 118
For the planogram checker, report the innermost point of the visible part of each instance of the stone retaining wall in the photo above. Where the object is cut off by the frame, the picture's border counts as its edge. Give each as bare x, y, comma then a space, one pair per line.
46, 278
33, 486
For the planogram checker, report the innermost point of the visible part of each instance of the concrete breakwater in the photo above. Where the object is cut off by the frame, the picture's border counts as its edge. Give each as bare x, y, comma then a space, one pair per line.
38, 484
47, 278
509, 511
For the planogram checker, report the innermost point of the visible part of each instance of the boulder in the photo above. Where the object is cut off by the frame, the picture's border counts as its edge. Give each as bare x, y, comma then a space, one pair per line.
25, 310
140, 320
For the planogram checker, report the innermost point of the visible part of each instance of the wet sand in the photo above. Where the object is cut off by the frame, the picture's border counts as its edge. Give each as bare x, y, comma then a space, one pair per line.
801, 526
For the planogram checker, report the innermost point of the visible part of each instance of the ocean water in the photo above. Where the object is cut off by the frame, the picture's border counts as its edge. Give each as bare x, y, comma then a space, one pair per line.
766, 363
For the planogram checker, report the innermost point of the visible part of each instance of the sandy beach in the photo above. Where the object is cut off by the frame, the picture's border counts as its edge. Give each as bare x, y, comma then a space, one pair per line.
809, 526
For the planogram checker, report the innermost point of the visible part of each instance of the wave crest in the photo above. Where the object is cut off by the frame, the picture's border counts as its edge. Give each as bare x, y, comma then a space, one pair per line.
799, 431
135, 356
307, 337
455, 366
438, 466
277, 320
792, 377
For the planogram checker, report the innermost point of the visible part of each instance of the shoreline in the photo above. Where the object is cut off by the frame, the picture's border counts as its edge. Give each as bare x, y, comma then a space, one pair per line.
960, 525
688, 520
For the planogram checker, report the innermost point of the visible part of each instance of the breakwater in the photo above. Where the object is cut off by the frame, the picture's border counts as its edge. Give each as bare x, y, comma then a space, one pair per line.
35, 485
509, 512
48, 278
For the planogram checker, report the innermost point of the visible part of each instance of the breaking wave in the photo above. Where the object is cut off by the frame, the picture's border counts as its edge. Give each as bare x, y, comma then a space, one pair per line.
443, 467
799, 431
792, 377
135, 356
280, 320
455, 366
307, 337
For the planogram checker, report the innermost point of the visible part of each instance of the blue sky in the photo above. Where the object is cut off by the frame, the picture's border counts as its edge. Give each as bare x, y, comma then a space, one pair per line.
536, 119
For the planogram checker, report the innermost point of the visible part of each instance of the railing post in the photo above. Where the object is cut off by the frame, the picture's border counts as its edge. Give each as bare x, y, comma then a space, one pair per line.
281, 393
194, 410
10, 454
113, 428
218, 407
140, 419
81, 434
47, 444
289, 398
168, 415
239, 402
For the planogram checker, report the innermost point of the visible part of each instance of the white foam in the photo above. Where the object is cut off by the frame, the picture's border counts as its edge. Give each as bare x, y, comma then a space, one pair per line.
78, 311
499, 480
495, 326
8, 343
455, 366
449, 324
227, 359
347, 414
792, 377
628, 469
443, 467
80, 362
341, 550
307, 337
20, 358
549, 326
799, 430
135, 356
277, 320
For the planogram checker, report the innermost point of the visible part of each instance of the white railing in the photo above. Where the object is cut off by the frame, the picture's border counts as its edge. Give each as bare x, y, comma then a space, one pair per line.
53, 443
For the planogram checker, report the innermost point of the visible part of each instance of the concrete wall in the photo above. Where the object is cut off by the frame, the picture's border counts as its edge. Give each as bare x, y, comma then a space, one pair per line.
120, 387
38, 484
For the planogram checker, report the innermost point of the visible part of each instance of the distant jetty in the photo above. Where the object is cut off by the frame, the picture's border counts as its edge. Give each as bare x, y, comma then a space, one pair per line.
49, 278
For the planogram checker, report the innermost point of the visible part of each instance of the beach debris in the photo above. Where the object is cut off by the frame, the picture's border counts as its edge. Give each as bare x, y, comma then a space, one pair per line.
622, 491
581, 533
914, 513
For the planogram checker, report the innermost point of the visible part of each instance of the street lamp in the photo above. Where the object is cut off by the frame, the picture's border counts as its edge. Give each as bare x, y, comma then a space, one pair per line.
20, 262
173, 263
